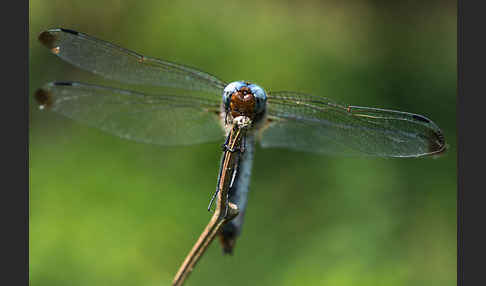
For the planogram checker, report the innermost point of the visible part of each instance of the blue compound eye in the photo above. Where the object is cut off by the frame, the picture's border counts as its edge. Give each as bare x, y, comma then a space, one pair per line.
229, 90
243, 88
260, 97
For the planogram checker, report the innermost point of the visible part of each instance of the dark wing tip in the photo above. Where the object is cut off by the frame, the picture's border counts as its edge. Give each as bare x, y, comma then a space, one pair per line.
434, 136
420, 118
44, 97
63, 83
437, 144
69, 31
49, 39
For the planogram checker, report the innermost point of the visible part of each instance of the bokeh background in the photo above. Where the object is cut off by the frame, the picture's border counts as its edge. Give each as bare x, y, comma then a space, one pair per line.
106, 211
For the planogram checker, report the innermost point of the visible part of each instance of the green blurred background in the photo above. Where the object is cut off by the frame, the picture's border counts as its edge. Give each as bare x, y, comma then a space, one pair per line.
106, 211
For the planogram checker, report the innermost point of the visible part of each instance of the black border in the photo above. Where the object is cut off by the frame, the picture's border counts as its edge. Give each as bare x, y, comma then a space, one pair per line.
14, 116
471, 49
460, 33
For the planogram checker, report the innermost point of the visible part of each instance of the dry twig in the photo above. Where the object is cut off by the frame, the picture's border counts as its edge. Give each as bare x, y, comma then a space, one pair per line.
225, 210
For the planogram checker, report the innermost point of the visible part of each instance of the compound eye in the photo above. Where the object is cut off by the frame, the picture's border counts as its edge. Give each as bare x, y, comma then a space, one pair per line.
229, 90
260, 97
226, 98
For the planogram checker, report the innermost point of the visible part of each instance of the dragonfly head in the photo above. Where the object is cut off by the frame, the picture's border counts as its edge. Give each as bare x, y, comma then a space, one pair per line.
242, 98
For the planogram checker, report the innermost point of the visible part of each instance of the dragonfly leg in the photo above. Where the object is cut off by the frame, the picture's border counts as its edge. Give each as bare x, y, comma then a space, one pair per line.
243, 144
212, 199
241, 148
226, 118
227, 205
232, 150
233, 177
219, 181
225, 147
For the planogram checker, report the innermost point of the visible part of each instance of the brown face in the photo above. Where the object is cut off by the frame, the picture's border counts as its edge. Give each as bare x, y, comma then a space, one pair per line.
243, 103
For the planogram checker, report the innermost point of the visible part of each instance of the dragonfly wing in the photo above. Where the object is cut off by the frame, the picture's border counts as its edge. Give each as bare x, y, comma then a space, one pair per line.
316, 124
116, 63
156, 119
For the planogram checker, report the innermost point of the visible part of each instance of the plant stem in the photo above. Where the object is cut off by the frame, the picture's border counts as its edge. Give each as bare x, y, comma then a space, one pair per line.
225, 210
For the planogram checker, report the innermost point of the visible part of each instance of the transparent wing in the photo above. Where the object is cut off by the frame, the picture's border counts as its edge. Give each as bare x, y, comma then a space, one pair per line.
316, 124
116, 63
156, 119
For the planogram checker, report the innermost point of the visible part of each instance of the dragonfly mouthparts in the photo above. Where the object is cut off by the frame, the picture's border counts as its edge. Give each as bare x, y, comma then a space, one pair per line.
242, 121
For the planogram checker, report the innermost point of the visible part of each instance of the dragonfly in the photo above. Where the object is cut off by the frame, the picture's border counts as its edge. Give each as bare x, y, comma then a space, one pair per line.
190, 106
